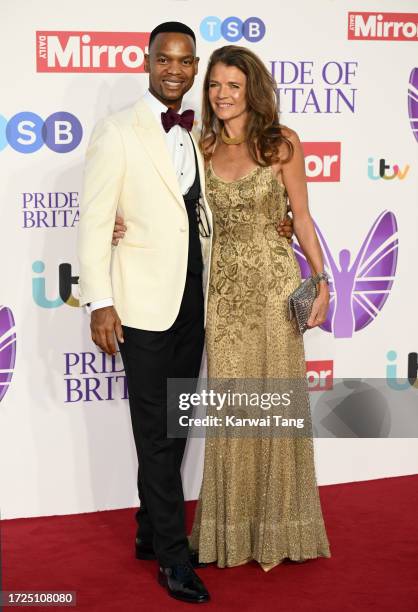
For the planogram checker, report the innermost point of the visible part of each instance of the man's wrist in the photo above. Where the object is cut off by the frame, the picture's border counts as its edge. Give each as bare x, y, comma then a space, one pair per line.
100, 304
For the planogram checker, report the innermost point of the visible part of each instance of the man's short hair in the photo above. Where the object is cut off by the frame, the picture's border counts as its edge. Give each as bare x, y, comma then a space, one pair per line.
171, 27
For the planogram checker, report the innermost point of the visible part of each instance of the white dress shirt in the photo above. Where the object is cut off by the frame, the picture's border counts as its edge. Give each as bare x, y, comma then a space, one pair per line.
180, 147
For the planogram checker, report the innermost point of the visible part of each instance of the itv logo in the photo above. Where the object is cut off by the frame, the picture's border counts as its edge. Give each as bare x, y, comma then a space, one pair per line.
66, 281
392, 375
379, 169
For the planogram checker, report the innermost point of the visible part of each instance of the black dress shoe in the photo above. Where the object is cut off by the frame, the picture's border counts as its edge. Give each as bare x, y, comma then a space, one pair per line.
183, 583
145, 552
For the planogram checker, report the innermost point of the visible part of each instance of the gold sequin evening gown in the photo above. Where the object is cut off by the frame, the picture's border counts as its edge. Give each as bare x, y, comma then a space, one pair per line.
259, 497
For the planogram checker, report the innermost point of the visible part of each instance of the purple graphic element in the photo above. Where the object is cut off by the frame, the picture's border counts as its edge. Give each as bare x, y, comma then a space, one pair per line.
7, 349
358, 292
413, 101
62, 132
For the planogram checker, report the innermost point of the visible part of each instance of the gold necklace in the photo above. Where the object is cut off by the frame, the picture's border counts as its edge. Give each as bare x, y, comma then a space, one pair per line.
231, 141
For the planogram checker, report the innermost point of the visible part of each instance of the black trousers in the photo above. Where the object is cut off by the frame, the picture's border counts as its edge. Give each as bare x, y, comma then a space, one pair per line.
150, 358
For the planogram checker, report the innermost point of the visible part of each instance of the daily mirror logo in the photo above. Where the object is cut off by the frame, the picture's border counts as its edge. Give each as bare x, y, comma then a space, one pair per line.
91, 51
320, 375
382, 26
322, 161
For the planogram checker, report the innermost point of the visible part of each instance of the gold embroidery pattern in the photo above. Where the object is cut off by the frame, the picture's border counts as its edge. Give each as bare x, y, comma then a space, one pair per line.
250, 261
259, 498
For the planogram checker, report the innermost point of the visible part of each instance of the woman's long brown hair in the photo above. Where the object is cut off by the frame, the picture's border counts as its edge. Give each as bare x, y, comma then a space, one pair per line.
263, 131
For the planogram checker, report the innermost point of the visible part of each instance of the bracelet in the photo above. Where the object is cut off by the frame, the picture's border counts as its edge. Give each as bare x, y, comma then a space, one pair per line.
321, 276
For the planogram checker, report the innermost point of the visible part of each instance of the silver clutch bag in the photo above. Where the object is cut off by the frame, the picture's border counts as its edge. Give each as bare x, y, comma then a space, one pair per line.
301, 300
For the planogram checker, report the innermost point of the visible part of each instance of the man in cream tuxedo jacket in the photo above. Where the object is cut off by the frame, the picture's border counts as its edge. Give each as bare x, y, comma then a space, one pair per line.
150, 290
145, 274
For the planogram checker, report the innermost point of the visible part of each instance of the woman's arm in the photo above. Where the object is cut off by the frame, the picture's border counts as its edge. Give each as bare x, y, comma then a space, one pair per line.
294, 179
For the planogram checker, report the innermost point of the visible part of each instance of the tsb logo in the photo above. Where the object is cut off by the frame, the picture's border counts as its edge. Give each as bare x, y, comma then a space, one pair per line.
320, 375
91, 51
232, 29
26, 132
322, 161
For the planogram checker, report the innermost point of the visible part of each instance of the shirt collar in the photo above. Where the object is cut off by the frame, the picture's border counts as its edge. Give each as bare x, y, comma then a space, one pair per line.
156, 106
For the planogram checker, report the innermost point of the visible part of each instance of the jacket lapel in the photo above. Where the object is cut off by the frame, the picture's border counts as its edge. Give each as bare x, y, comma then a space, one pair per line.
152, 139
200, 168
202, 176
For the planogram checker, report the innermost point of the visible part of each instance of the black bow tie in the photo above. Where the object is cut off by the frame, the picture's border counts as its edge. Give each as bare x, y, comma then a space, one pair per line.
171, 118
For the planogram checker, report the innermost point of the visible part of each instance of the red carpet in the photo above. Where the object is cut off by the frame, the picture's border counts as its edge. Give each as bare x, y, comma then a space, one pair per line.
372, 527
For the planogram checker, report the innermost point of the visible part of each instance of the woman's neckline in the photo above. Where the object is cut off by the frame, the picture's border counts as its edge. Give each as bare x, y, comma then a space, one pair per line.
241, 178
235, 180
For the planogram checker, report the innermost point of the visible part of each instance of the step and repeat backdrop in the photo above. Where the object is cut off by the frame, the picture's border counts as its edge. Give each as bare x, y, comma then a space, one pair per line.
347, 82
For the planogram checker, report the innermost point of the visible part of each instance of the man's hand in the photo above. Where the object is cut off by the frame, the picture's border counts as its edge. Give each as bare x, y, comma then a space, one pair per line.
104, 324
285, 227
118, 230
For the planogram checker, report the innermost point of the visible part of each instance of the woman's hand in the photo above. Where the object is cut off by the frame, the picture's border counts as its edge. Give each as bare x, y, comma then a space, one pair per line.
118, 230
320, 306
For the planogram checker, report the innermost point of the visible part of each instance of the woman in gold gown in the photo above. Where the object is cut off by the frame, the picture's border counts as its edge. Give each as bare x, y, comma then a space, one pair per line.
259, 498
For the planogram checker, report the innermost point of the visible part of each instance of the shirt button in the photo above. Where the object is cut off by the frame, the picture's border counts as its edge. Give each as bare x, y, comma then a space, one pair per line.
183, 229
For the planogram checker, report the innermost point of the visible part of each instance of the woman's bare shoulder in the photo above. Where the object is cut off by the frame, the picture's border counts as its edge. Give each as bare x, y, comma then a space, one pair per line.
289, 134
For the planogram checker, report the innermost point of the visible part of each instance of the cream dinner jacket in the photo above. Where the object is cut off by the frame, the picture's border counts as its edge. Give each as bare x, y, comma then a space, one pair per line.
128, 169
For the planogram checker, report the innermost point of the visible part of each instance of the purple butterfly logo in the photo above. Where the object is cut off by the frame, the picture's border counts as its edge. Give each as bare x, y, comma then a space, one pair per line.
358, 290
7, 349
413, 101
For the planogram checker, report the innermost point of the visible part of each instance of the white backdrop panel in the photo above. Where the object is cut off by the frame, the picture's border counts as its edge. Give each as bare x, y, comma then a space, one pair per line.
65, 447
